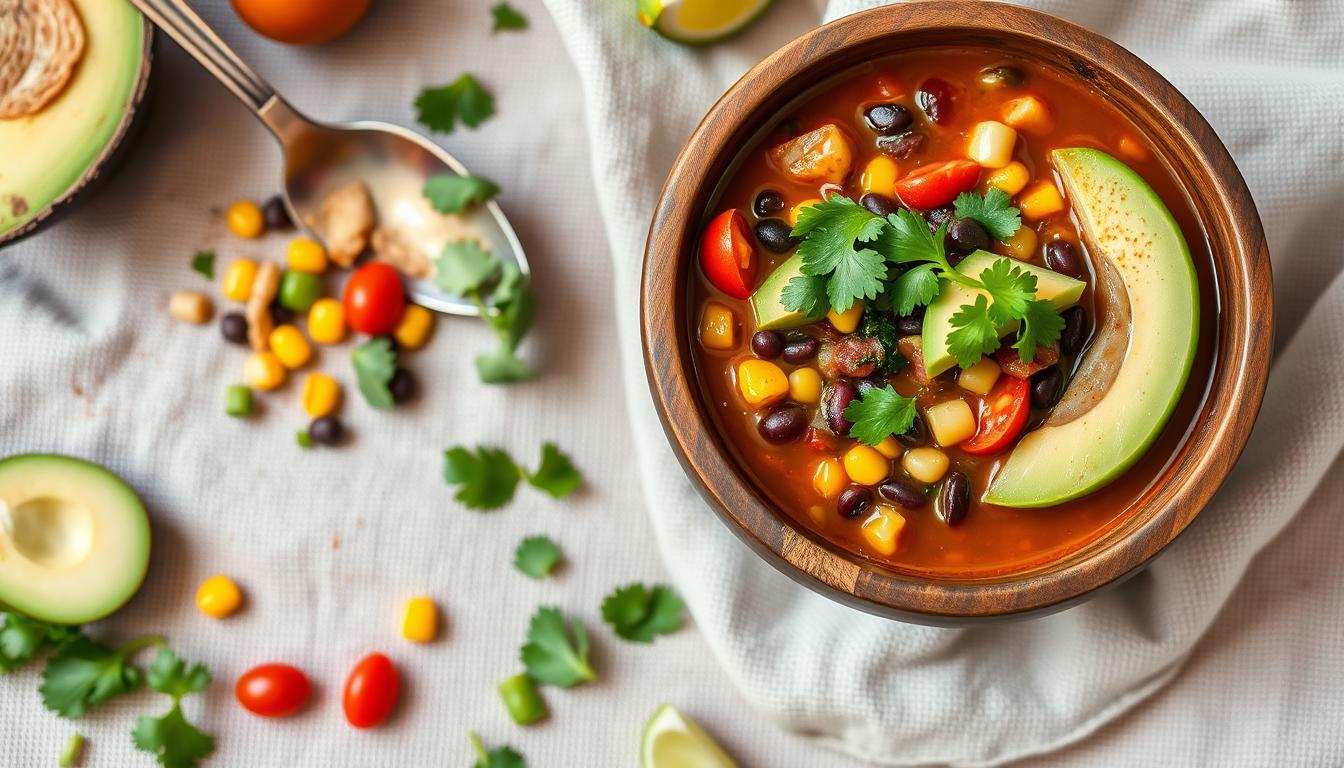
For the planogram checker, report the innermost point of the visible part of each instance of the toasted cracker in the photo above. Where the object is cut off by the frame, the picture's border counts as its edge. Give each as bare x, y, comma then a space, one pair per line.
344, 221
57, 45
394, 250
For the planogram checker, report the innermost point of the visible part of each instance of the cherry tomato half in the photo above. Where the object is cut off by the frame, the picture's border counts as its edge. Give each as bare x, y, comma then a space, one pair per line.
371, 691
727, 255
273, 690
932, 186
301, 21
374, 299
1003, 414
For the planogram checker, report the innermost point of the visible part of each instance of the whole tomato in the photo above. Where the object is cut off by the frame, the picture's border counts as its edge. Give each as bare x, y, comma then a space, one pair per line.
301, 21
273, 690
371, 691
374, 299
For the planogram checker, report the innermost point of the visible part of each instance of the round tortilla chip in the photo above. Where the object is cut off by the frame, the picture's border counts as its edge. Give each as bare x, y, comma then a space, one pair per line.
57, 44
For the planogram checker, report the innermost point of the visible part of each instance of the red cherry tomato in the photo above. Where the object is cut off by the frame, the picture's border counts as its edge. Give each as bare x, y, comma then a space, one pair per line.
374, 299
727, 255
371, 691
273, 690
1002, 417
932, 186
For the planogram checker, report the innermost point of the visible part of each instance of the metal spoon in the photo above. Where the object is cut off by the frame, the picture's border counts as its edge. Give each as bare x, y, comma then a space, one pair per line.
319, 157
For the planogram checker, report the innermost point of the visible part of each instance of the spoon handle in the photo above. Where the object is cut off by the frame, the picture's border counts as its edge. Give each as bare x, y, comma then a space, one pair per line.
182, 24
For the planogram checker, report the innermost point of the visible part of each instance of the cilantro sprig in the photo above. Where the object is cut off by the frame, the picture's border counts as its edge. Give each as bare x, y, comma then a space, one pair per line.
504, 297
556, 654
507, 17
487, 477
536, 556
499, 757
171, 738
639, 614
451, 193
464, 99
203, 262
993, 211
879, 414
375, 364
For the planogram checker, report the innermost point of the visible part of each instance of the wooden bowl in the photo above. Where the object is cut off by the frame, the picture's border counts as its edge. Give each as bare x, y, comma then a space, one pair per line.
1177, 132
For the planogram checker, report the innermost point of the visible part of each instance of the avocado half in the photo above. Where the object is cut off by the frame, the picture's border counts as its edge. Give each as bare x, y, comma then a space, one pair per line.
1136, 367
51, 160
74, 539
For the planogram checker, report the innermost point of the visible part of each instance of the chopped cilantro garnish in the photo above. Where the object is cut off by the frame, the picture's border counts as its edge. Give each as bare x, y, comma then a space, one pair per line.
993, 211
974, 333
375, 363
507, 17
1011, 287
500, 757
489, 476
879, 414
536, 556
639, 614
465, 268
204, 263
879, 324
85, 673
551, 656
915, 287
468, 270
23, 638
831, 229
1041, 327
556, 475
450, 193
463, 99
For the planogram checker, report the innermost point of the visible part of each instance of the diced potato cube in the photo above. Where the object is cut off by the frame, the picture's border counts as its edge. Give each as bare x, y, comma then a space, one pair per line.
927, 465
718, 327
822, 155
951, 422
1028, 114
883, 528
979, 378
991, 144
1040, 200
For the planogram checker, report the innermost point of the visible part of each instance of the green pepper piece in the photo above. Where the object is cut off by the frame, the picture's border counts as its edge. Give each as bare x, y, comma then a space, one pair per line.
522, 699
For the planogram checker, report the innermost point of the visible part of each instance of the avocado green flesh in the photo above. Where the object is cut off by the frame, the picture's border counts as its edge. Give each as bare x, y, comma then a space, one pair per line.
1125, 224
74, 539
767, 302
1064, 291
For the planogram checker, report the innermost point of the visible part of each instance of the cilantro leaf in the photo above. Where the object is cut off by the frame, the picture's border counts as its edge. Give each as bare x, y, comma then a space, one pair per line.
375, 363
879, 414
639, 614
85, 673
23, 638
830, 231
974, 333
171, 675
500, 757
175, 742
536, 556
507, 17
487, 477
464, 268
450, 193
857, 276
1041, 327
993, 211
907, 240
464, 99
916, 287
550, 656
1011, 287
556, 475
204, 263
503, 366
806, 294
512, 308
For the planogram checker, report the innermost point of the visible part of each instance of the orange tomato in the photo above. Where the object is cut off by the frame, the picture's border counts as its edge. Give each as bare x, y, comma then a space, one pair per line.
303, 22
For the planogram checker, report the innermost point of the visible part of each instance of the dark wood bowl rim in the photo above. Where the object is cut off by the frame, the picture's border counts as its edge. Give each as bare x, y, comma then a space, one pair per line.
1181, 136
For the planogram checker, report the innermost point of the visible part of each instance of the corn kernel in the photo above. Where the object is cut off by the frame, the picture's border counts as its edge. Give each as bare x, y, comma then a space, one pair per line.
761, 382
218, 597
1028, 114
1011, 178
950, 422
805, 385
238, 279
889, 447
865, 465
991, 144
829, 478
245, 220
879, 176
190, 307
847, 321
306, 256
1021, 246
413, 330
321, 395
979, 378
290, 346
1040, 200
718, 327
421, 621
264, 370
793, 212
1133, 149
927, 465
882, 530
326, 321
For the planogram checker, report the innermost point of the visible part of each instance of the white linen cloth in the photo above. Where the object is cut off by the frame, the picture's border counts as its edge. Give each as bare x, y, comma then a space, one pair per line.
327, 544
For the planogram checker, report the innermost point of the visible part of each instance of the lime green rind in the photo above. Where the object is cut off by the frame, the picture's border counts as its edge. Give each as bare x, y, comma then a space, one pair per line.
660, 25
672, 740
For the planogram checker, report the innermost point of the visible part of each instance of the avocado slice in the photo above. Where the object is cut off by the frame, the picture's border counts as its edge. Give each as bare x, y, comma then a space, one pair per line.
767, 301
1064, 291
74, 539
46, 155
1133, 373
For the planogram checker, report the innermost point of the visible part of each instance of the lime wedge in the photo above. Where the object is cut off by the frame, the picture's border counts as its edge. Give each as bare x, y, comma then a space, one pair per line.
673, 740
699, 22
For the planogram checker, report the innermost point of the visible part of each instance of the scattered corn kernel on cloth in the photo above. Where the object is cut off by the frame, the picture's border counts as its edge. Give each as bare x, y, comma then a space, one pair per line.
1269, 76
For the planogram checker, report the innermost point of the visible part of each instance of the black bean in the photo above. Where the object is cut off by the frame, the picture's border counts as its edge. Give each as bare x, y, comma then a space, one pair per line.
935, 98
326, 431
1001, 77
916, 435
799, 348
868, 385
767, 344
835, 398
281, 315
888, 119
954, 499
1061, 256
767, 202
911, 325
275, 214
967, 235
403, 385
879, 204
903, 493
233, 326
1047, 385
783, 423
1075, 330
853, 502
774, 236
903, 146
